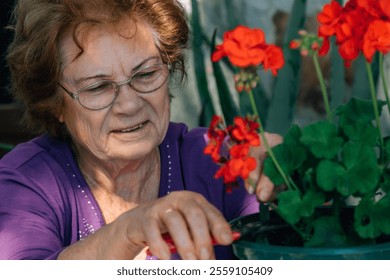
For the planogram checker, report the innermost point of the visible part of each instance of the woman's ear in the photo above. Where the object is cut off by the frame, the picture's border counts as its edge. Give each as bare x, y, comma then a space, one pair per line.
60, 116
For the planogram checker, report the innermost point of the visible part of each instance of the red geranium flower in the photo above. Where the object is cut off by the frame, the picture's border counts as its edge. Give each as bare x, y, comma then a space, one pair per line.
377, 38
273, 59
237, 163
329, 18
355, 27
216, 136
243, 46
244, 130
240, 165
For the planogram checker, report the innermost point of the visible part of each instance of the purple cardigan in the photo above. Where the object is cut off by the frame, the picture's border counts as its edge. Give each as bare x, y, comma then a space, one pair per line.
46, 205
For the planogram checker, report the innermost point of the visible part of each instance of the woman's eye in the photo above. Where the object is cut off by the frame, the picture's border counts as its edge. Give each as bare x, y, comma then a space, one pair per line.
145, 75
99, 88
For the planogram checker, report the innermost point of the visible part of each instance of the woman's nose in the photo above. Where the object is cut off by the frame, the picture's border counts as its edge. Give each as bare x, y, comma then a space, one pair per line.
127, 99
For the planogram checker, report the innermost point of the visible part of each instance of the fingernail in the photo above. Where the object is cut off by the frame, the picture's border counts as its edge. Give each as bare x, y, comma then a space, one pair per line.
251, 189
263, 196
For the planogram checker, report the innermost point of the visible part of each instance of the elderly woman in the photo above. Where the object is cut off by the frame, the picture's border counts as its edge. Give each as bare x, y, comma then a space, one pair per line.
110, 173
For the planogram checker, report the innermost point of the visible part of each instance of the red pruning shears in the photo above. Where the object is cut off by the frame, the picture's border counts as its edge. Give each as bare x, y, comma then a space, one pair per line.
172, 248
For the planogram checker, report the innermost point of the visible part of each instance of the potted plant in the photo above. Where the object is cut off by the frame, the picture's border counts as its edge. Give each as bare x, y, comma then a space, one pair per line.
335, 171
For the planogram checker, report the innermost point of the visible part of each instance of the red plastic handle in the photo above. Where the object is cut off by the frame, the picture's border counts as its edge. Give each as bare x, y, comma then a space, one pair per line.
172, 248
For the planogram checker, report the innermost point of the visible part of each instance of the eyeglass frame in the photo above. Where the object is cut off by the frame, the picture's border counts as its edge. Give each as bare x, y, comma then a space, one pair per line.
75, 95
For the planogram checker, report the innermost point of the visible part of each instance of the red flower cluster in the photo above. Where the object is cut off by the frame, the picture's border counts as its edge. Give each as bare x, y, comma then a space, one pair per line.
246, 47
241, 136
359, 26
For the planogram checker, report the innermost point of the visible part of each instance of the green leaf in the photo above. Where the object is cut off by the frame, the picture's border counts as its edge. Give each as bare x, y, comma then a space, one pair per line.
289, 158
289, 203
327, 233
363, 171
357, 111
200, 69
386, 150
385, 184
365, 217
293, 136
285, 90
311, 200
330, 175
322, 139
371, 219
362, 133
359, 173
383, 209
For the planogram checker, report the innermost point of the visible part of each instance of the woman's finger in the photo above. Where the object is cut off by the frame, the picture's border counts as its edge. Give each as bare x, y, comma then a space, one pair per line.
219, 227
177, 226
264, 189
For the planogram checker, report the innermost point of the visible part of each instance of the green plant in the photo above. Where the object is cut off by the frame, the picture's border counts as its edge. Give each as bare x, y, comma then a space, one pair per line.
333, 161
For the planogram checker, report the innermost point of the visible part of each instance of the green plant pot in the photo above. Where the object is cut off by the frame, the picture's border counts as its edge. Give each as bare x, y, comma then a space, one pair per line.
251, 247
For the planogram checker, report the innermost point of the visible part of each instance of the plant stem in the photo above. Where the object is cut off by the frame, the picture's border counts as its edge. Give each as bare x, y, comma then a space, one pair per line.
324, 92
375, 105
384, 83
266, 144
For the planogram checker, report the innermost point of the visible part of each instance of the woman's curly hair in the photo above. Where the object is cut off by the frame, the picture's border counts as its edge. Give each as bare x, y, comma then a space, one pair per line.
34, 54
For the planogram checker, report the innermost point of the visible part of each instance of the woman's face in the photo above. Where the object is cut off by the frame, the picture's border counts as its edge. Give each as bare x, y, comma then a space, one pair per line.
136, 123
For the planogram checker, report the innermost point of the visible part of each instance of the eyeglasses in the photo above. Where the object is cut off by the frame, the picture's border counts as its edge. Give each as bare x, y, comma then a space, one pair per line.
102, 94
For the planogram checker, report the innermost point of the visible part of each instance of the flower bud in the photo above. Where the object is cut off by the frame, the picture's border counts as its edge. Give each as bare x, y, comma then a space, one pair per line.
239, 86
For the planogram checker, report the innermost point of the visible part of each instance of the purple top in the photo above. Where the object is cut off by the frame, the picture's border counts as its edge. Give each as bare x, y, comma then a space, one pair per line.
46, 205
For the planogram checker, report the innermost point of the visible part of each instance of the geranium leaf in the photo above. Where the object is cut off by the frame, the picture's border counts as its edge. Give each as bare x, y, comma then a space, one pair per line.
293, 135
357, 111
322, 139
330, 175
362, 133
385, 184
359, 172
362, 168
272, 173
289, 158
365, 219
289, 203
383, 221
387, 149
327, 233
311, 200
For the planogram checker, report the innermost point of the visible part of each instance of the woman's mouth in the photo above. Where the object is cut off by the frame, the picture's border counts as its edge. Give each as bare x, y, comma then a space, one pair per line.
133, 129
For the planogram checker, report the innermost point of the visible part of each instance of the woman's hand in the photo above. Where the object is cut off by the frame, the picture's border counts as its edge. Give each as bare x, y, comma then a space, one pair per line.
264, 188
188, 217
